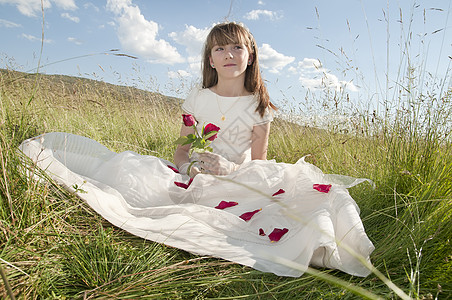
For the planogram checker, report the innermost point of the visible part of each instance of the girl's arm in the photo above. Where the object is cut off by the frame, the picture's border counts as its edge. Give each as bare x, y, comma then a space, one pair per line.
181, 154
259, 141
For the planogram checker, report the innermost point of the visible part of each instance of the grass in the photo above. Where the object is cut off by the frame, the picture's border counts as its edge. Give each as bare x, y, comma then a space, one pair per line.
55, 246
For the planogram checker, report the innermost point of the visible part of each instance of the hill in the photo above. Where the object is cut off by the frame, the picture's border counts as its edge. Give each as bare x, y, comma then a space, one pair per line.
64, 85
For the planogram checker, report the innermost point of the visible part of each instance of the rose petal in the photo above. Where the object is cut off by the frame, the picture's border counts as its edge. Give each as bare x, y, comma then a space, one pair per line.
211, 127
277, 234
226, 204
188, 120
183, 185
248, 215
261, 232
173, 168
324, 188
280, 191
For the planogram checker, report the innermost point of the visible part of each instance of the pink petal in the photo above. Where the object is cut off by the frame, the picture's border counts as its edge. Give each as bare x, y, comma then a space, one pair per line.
226, 204
261, 232
248, 215
277, 234
280, 191
173, 168
324, 188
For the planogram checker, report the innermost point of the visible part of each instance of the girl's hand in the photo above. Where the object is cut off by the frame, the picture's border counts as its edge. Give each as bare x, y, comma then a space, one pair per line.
190, 169
194, 171
212, 163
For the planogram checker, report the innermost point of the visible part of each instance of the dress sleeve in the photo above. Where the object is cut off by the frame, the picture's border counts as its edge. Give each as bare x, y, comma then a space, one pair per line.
268, 117
189, 104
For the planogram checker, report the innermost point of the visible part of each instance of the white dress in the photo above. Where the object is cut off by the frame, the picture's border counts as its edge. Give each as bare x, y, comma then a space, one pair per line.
274, 217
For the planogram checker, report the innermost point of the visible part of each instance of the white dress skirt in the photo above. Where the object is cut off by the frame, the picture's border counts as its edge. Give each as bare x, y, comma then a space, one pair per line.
274, 217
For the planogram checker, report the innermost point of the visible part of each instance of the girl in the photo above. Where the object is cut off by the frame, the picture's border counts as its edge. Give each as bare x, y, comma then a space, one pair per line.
234, 97
274, 217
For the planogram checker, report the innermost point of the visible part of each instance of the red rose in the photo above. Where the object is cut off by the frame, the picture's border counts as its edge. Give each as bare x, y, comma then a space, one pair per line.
188, 120
209, 128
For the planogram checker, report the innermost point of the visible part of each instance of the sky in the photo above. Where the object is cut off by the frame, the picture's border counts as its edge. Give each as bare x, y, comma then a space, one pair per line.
305, 46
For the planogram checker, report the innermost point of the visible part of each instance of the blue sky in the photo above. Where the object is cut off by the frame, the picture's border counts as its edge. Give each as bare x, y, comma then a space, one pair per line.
302, 44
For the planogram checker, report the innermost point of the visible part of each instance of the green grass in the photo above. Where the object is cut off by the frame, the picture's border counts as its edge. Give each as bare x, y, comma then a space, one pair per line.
55, 246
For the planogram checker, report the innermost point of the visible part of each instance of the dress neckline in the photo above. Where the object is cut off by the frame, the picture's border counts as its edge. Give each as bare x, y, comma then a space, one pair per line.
229, 97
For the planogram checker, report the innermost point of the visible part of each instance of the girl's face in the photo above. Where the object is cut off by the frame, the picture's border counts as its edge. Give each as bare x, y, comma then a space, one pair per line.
230, 61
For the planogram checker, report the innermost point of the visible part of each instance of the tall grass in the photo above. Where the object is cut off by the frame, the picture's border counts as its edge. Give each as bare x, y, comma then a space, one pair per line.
54, 246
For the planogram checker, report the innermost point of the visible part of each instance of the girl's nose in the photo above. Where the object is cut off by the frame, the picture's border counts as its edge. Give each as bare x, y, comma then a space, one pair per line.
229, 55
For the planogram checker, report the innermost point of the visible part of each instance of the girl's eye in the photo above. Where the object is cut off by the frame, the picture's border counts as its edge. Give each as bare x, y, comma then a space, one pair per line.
218, 49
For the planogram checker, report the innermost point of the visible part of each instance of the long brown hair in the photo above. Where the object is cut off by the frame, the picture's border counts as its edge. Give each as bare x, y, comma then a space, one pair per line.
233, 33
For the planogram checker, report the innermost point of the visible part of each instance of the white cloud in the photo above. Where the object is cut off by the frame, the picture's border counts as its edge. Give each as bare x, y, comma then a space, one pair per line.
192, 38
179, 74
69, 17
270, 59
314, 76
90, 5
65, 4
257, 13
8, 24
32, 38
310, 64
32, 8
139, 36
74, 40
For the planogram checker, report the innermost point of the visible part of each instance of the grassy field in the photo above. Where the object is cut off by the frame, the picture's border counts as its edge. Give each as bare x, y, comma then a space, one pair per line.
54, 246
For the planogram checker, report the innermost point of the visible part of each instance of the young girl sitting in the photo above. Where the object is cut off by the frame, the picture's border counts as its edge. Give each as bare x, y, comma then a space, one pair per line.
230, 203
234, 98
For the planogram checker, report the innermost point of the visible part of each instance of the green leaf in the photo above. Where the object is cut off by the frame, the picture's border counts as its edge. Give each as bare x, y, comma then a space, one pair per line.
197, 144
202, 131
182, 140
210, 134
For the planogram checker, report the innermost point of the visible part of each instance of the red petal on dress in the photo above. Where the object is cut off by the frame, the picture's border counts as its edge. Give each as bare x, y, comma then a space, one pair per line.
248, 215
226, 204
261, 232
324, 188
280, 191
183, 185
277, 234
173, 168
